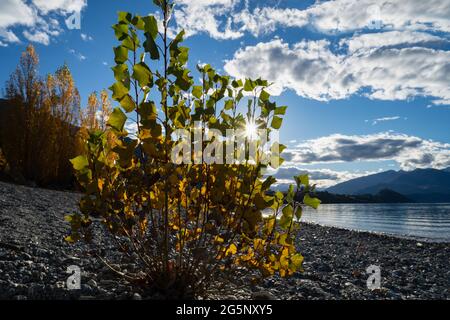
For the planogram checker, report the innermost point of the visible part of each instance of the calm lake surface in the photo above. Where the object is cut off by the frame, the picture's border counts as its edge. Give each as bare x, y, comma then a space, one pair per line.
428, 221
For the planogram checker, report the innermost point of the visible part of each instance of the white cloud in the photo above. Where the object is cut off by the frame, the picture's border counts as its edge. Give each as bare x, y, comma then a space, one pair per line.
231, 19
86, 37
442, 102
351, 15
410, 152
131, 127
323, 178
309, 68
313, 71
15, 12
384, 119
77, 55
38, 37
64, 6
204, 16
8, 36
371, 41
397, 61
37, 17
267, 19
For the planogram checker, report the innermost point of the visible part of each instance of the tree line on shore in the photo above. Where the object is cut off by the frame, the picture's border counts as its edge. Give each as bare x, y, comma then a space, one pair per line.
42, 124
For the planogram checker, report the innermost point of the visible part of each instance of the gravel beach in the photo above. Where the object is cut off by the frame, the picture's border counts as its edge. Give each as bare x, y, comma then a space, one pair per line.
34, 259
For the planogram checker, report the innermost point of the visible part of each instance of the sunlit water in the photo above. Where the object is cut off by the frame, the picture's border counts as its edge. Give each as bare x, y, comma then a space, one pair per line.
428, 221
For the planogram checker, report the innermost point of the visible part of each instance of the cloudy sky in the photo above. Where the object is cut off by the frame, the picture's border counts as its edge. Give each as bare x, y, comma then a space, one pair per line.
367, 82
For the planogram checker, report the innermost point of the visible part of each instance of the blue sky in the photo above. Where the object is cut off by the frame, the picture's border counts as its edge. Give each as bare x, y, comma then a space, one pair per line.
367, 82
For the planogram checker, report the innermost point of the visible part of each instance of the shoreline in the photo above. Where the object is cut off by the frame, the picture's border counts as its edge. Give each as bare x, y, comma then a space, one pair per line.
34, 259
384, 234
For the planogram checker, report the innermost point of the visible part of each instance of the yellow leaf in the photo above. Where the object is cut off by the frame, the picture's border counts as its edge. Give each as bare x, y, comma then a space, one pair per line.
232, 249
297, 260
218, 239
100, 184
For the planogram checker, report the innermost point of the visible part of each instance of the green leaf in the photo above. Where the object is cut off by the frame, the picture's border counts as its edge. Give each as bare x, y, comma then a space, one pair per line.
268, 182
183, 55
124, 17
138, 22
284, 239
297, 260
260, 202
126, 152
151, 47
79, 163
143, 75
279, 195
261, 83
117, 119
298, 212
183, 79
302, 180
121, 72
290, 194
229, 104
119, 90
252, 217
128, 103
121, 31
147, 111
249, 85
311, 202
178, 55
120, 54
280, 110
286, 218
236, 83
264, 96
151, 26
197, 91
276, 122
131, 42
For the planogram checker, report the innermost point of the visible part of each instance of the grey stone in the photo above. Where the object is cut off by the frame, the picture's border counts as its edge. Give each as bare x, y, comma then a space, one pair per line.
137, 296
263, 295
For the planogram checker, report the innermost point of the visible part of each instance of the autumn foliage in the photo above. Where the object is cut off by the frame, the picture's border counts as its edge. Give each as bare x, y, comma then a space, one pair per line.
188, 227
42, 125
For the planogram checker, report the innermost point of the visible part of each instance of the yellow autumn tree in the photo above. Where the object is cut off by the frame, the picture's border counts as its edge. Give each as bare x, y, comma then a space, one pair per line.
40, 123
23, 93
59, 119
95, 115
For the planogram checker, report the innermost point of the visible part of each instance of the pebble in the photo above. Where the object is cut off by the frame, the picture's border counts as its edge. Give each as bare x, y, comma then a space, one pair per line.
335, 260
137, 296
263, 295
92, 283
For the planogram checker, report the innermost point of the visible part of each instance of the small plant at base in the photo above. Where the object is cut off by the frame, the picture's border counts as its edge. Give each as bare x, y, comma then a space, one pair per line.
188, 227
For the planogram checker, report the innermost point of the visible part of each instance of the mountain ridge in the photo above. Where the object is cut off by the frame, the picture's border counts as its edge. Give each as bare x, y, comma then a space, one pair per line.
421, 185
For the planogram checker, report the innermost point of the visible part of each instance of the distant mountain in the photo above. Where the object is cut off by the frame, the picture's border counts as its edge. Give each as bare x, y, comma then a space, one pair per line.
384, 196
355, 185
421, 185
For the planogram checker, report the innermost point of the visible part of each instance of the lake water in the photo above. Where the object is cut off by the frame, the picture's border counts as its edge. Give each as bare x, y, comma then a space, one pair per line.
428, 221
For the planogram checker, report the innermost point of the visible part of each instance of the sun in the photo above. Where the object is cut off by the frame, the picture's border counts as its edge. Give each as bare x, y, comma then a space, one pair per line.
251, 130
